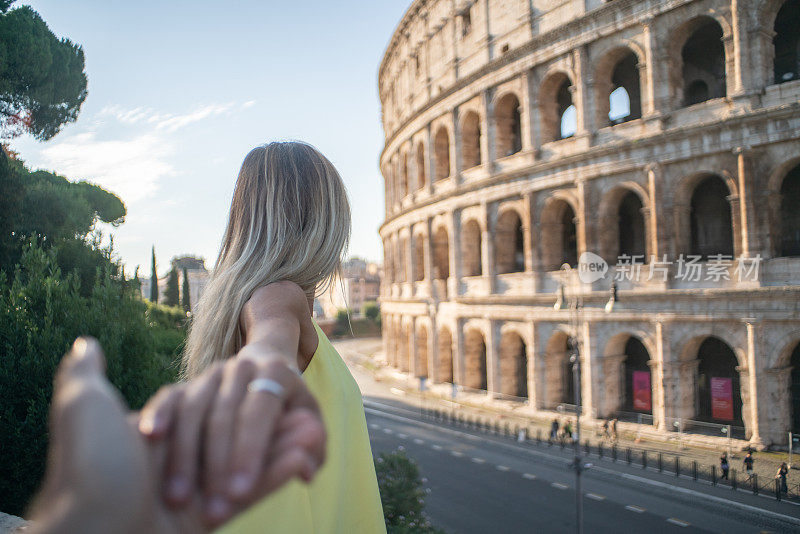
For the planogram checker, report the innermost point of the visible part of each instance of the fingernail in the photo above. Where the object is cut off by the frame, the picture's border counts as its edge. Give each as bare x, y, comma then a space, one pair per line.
79, 346
217, 507
150, 426
178, 487
240, 484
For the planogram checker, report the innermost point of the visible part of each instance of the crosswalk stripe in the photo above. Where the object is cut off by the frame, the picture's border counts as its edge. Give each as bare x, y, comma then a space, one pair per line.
388, 430
558, 485
418, 441
502, 468
595, 497
677, 522
529, 476
402, 436
478, 460
436, 447
457, 454
636, 509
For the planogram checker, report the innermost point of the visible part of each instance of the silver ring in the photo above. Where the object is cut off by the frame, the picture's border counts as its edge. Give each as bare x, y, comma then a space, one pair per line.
266, 385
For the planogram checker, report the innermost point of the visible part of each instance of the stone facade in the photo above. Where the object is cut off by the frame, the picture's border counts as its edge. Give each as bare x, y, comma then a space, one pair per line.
358, 284
505, 158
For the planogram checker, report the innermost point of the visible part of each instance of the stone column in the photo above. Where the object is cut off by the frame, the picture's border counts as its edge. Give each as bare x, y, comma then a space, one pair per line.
534, 119
454, 251
525, 126
758, 417
741, 59
591, 372
428, 257
455, 148
585, 93
487, 246
654, 192
612, 384
665, 380
530, 372
493, 375
527, 230
488, 136
647, 77
458, 351
582, 225
750, 242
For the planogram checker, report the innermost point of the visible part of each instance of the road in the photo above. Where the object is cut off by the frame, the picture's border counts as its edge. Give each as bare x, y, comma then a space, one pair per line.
481, 483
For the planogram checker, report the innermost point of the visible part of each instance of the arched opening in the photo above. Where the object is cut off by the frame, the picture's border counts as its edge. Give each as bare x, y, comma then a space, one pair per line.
703, 56
558, 114
441, 254
509, 245
474, 359
419, 258
421, 368
787, 42
471, 140
403, 346
719, 396
404, 189
558, 380
445, 361
402, 261
559, 235
631, 227
794, 388
625, 99
513, 365
638, 387
711, 222
508, 123
441, 154
471, 249
569, 237
790, 213
421, 179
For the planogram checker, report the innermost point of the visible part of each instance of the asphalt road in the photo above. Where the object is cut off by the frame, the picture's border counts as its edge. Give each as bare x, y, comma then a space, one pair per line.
485, 484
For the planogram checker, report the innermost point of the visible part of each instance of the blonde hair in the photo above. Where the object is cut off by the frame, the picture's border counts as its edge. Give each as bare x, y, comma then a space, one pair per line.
289, 220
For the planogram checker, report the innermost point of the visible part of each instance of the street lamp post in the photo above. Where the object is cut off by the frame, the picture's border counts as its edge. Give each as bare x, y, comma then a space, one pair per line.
576, 381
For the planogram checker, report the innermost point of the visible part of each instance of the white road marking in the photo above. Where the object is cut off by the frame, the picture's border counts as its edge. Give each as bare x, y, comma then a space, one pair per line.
436, 447
478, 460
559, 485
636, 509
595, 497
402, 436
677, 522
387, 430
529, 476
374, 426
418, 441
457, 454
502, 468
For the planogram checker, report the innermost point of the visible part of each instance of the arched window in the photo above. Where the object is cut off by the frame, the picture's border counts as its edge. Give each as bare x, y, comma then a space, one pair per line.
508, 126
631, 227
421, 368
625, 99
787, 42
421, 179
441, 147
703, 57
471, 140
471, 249
569, 239
559, 235
441, 254
711, 223
474, 360
558, 114
445, 355
790, 214
719, 396
794, 388
509, 246
638, 387
419, 258
558, 379
513, 365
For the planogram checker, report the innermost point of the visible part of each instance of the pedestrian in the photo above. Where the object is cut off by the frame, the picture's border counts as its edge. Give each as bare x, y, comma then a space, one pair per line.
614, 430
554, 429
606, 430
783, 470
724, 466
748, 464
568, 430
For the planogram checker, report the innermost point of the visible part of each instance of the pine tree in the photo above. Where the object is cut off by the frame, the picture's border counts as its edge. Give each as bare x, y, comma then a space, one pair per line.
187, 305
154, 279
171, 291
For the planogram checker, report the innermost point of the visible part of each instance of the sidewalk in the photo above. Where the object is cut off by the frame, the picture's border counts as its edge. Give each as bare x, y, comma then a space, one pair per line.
367, 355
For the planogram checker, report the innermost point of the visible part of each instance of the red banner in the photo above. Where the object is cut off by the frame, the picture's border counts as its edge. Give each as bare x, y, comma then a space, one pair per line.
641, 391
721, 398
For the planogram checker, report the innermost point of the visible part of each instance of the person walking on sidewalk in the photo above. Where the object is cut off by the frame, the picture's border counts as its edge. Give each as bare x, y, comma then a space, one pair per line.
783, 470
724, 466
748, 464
606, 431
614, 430
554, 429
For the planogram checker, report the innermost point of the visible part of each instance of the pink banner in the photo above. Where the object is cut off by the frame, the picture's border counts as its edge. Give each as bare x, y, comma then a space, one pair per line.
641, 391
721, 398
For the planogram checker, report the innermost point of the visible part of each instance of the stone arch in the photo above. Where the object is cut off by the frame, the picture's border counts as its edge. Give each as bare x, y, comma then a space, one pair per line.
555, 98
441, 154
623, 226
710, 218
629, 381
717, 360
445, 355
558, 381
421, 350
419, 256
420, 164
441, 254
474, 359
559, 239
471, 140
508, 125
789, 218
471, 246
513, 365
618, 70
700, 61
509, 243
786, 42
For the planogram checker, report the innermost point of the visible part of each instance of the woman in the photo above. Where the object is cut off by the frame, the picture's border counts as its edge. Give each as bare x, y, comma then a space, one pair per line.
288, 228
783, 471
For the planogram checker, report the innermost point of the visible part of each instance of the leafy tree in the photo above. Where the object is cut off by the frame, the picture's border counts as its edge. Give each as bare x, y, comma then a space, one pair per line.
153, 279
136, 284
171, 296
42, 78
371, 310
402, 495
185, 302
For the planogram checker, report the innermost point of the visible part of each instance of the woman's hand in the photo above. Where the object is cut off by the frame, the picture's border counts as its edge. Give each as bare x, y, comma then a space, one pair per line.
246, 439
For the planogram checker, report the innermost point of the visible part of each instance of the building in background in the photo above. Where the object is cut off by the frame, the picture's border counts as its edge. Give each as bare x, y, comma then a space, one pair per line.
196, 272
522, 136
360, 283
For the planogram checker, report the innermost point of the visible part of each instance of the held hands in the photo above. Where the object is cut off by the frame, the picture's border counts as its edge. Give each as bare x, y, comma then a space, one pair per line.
233, 443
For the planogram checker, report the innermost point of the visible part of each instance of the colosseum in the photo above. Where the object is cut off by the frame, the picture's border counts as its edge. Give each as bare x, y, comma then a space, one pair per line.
524, 136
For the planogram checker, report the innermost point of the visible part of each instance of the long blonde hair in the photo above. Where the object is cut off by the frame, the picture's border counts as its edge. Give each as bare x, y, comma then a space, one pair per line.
289, 220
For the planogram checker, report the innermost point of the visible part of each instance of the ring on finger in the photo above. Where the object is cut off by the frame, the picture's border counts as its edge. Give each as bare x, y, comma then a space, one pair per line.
266, 385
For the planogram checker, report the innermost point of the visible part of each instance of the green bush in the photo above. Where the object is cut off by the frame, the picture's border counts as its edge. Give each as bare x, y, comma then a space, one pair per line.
42, 311
402, 495
372, 311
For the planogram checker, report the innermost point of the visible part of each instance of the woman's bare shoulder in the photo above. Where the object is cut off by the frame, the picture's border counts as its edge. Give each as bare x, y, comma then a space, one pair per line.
280, 299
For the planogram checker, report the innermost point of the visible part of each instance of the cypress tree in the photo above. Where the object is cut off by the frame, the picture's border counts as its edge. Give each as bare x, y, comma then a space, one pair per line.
153, 279
171, 291
187, 305
136, 283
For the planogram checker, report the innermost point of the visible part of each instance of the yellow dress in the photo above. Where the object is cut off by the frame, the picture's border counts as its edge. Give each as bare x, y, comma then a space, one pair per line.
343, 497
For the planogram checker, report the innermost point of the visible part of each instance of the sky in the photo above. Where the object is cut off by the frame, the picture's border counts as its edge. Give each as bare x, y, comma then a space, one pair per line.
180, 91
